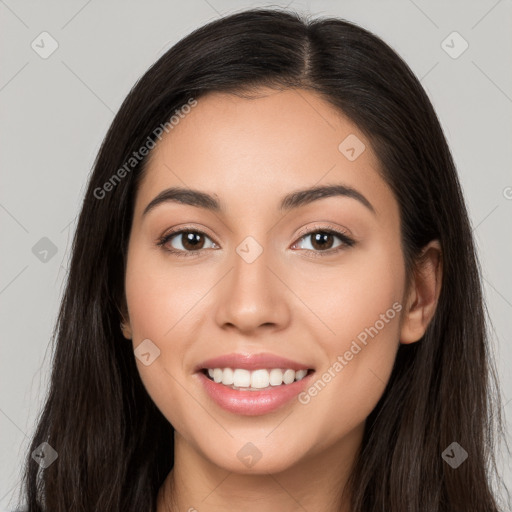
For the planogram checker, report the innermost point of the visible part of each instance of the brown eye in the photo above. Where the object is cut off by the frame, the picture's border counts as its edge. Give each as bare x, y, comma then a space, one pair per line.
186, 241
191, 240
323, 240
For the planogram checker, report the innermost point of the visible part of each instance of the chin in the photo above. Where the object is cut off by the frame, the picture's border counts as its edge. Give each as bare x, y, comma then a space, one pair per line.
248, 459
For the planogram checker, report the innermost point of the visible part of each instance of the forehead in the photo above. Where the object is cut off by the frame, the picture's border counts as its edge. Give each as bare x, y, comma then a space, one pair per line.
253, 151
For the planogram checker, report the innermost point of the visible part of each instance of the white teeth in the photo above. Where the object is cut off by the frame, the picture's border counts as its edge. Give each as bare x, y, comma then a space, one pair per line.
288, 376
241, 378
276, 377
227, 377
260, 379
255, 380
299, 375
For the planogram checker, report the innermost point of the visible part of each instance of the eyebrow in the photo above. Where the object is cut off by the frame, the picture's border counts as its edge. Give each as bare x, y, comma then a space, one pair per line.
293, 200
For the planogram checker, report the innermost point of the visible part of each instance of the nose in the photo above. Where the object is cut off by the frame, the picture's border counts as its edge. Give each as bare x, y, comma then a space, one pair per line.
253, 295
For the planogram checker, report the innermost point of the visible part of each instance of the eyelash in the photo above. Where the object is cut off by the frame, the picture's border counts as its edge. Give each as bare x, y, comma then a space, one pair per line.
345, 239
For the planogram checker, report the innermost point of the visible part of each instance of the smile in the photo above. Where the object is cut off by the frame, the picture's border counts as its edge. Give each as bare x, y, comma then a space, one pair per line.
241, 379
253, 384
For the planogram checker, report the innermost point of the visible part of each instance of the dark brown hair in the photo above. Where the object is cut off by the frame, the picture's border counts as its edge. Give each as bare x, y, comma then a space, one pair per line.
114, 446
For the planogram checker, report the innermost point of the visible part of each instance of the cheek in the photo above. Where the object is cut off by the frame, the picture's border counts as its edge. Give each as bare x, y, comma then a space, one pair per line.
160, 300
353, 295
160, 295
360, 305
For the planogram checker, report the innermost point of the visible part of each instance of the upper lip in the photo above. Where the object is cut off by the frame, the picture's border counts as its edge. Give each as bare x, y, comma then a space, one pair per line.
251, 362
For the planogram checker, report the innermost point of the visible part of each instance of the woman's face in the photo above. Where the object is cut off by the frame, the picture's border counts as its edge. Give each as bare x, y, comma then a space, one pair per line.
255, 277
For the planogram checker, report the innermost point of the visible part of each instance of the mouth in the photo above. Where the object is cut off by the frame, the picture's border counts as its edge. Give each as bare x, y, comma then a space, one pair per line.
253, 385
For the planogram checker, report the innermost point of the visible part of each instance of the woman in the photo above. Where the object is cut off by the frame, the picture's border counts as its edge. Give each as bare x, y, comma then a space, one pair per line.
276, 220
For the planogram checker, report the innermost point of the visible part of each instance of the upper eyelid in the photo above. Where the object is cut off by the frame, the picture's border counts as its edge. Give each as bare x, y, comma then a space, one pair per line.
185, 229
316, 228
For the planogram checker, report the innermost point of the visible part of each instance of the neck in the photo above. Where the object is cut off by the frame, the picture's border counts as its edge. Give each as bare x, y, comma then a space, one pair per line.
315, 483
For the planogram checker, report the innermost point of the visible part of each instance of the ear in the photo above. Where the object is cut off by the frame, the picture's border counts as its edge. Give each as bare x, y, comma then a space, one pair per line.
125, 325
126, 328
423, 293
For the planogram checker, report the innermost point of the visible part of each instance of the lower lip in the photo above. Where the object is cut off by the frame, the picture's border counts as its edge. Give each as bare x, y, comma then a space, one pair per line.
252, 403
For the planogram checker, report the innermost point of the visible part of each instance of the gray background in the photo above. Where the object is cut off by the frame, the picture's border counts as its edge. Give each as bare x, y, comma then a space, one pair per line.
55, 113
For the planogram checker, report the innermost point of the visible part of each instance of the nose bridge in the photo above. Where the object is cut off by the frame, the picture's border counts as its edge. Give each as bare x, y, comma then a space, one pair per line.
252, 294
251, 262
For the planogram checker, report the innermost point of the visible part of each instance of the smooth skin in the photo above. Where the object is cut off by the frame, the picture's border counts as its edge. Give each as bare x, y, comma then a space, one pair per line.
298, 299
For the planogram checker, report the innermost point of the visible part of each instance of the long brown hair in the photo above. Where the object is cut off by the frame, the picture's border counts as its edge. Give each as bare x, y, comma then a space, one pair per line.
114, 446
